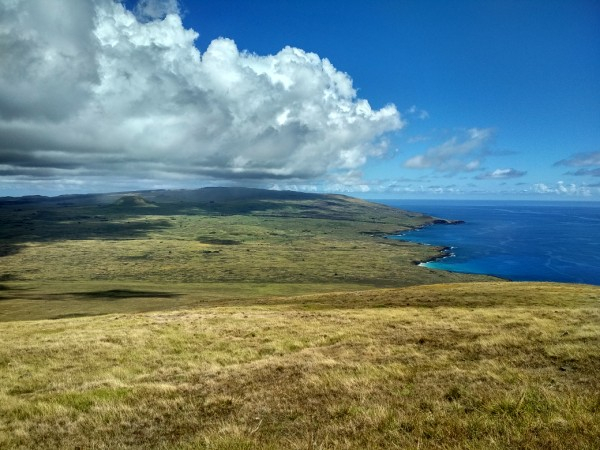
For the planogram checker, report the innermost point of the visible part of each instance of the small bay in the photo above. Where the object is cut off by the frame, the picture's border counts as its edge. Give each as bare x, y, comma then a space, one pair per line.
517, 240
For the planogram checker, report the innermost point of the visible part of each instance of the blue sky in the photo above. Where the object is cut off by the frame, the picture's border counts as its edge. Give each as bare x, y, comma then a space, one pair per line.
466, 99
527, 70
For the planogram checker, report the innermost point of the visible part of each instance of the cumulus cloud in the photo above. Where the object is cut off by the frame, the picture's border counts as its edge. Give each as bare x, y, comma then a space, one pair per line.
458, 154
501, 174
90, 91
48, 66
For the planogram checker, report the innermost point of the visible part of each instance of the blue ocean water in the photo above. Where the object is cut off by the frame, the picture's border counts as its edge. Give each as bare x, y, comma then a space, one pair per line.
524, 241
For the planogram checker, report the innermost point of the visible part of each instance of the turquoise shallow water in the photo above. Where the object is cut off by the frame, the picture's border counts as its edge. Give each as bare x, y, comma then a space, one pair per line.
524, 241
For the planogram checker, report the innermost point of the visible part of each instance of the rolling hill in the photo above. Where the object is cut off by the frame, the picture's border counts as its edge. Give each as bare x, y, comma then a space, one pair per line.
67, 255
227, 318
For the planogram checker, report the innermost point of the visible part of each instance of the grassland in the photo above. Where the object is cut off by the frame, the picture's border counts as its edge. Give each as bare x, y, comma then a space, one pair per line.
477, 365
83, 255
228, 319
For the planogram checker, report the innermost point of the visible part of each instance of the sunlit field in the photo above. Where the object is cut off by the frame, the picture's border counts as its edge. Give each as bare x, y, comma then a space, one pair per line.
480, 365
130, 322
96, 255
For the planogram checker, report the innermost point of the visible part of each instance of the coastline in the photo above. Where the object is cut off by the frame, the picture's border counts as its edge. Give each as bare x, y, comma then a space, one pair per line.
520, 241
443, 251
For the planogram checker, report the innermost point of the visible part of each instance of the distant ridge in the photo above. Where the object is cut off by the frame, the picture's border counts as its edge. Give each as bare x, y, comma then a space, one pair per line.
207, 194
224, 194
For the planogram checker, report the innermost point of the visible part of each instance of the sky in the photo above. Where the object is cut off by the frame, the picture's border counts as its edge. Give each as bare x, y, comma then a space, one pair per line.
496, 99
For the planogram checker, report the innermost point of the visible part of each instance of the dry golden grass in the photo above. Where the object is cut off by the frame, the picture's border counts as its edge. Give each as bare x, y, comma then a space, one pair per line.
180, 325
475, 366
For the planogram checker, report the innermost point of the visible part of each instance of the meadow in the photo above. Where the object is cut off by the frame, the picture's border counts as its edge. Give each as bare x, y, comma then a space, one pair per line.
128, 253
269, 323
477, 365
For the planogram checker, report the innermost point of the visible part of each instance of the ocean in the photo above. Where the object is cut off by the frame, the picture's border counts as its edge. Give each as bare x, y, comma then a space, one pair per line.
517, 240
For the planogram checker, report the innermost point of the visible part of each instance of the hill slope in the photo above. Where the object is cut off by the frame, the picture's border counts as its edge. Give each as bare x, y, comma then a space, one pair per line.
477, 365
151, 250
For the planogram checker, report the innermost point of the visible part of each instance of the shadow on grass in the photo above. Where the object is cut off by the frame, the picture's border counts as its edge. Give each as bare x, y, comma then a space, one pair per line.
24, 226
74, 315
11, 293
8, 249
116, 294
46, 219
216, 241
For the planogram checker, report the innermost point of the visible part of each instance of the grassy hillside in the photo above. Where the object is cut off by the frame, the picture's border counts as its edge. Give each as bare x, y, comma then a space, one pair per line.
178, 323
476, 365
156, 250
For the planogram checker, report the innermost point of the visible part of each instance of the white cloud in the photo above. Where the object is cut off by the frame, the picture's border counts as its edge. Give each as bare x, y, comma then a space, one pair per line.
458, 154
48, 67
501, 174
417, 112
562, 188
89, 92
